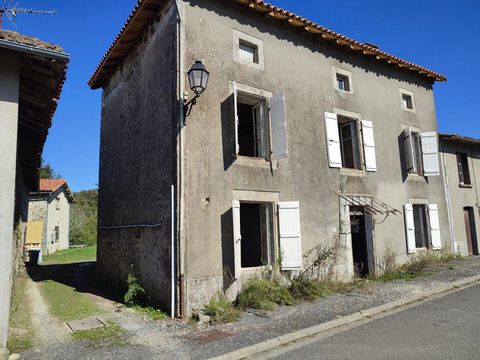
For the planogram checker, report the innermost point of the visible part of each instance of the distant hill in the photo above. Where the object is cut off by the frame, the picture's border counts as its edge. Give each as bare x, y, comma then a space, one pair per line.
83, 229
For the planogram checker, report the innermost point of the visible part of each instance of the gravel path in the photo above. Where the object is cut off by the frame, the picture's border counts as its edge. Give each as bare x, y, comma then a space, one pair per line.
168, 339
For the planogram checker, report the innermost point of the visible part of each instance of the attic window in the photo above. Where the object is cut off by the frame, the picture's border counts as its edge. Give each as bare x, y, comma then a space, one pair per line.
248, 50
342, 80
407, 100
247, 53
343, 83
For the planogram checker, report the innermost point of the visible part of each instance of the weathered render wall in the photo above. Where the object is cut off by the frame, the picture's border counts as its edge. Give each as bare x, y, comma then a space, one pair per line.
462, 196
136, 164
9, 89
57, 217
301, 66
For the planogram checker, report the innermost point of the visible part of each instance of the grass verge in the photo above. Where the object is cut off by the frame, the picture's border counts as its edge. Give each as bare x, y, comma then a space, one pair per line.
68, 256
65, 303
21, 333
109, 335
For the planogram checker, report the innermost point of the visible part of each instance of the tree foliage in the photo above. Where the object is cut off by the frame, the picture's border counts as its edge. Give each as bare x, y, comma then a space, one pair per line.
83, 229
46, 171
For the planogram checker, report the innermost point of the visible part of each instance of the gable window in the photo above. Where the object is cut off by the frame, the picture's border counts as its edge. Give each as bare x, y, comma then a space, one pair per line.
421, 152
248, 50
260, 124
407, 101
463, 170
346, 138
343, 83
422, 227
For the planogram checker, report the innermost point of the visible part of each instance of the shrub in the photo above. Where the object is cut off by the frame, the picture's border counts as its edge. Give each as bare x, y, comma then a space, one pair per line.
221, 310
304, 288
135, 295
264, 294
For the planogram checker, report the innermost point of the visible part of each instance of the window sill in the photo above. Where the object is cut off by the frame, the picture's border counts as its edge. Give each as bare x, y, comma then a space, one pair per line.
344, 91
466, 186
416, 177
252, 162
409, 110
353, 172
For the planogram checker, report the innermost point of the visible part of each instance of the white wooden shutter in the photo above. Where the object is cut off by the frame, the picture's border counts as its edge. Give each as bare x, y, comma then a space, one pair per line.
435, 226
369, 146
278, 122
235, 107
431, 166
237, 239
409, 151
290, 238
333, 141
410, 228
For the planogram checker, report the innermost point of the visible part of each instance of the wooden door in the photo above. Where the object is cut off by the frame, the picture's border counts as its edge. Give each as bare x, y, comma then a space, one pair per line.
468, 230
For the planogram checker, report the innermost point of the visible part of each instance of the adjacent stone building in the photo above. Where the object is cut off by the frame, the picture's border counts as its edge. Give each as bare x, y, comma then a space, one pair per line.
48, 227
304, 140
461, 163
32, 74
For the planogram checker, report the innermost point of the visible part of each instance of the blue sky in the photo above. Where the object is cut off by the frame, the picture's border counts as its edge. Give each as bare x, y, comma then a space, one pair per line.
441, 35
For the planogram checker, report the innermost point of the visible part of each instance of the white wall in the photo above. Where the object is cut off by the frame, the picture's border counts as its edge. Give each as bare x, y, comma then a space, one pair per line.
58, 217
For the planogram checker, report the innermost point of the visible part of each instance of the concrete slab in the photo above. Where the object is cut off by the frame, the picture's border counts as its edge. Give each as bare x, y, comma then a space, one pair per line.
85, 324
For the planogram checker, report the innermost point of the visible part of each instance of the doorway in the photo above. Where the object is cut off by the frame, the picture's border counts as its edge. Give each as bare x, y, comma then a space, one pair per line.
471, 231
362, 241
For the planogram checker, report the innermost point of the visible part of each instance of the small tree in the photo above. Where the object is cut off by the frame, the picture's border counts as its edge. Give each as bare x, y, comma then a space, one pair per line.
46, 171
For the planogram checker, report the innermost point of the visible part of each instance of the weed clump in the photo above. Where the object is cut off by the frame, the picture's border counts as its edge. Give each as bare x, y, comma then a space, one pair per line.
135, 295
305, 288
264, 294
221, 310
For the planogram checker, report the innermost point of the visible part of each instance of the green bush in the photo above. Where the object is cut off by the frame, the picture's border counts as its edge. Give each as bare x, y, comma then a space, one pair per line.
304, 288
264, 294
221, 310
135, 295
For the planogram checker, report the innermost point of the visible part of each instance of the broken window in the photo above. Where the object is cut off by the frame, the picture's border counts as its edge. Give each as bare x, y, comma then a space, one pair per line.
348, 131
463, 170
256, 233
421, 226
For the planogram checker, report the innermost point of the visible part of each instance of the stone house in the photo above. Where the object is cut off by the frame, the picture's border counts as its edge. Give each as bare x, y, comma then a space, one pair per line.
48, 227
460, 158
32, 74
304, 140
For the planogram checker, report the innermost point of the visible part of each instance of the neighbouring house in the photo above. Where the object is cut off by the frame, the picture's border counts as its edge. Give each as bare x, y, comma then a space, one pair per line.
304, 140
48, 227
461, 166
32, 74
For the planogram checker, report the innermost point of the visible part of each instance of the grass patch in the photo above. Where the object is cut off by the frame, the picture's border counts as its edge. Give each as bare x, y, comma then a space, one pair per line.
66, 303
68, 256
221, 310
150, 312
21, 332
264, 294
110, 334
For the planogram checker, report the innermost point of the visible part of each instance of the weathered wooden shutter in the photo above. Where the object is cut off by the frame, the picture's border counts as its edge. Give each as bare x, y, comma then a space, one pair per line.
333, 141
431, 166
369, 146
235, 107
461, 178
410, 228
435, 226
278, 122
290, 238
410, 164
237, 239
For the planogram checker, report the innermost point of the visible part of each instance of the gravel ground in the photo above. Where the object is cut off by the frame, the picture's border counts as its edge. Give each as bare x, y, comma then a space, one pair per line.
168, 339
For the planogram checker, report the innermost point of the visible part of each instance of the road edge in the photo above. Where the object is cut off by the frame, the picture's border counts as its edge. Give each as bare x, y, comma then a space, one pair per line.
344, 320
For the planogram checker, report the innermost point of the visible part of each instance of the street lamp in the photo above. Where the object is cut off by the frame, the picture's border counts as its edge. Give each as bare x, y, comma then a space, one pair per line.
198, 79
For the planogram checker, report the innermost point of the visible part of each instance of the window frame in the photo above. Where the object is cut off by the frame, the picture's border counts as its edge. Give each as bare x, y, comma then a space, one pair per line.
357, 141
410, 94
240, 37
348, 80
464, 171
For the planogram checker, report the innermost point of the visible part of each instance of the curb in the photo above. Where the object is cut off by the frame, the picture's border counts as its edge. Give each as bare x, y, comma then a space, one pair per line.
342, 321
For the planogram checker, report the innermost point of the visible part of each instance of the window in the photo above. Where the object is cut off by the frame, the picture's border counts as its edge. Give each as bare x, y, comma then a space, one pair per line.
421, 152
260, 124
407, 101
463, 170
421, 226
248, 50
348, 131
343, 83
253, 127
57, 233
57, 203
247, 53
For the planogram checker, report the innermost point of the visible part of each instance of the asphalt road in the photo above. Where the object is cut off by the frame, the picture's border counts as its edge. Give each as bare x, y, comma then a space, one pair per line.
444, 328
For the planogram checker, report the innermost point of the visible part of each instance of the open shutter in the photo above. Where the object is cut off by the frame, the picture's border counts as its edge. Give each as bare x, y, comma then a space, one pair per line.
431, 166
369, 146
290, 239
235, 111
409, 151
410, 228
434, 226
333, 141
237, 238
461, 176
279, 127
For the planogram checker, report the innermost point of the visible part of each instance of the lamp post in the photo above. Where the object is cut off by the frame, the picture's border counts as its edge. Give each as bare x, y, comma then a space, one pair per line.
198, 79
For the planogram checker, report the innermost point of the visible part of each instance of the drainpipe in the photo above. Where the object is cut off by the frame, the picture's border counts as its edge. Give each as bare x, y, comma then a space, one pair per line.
449, 202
